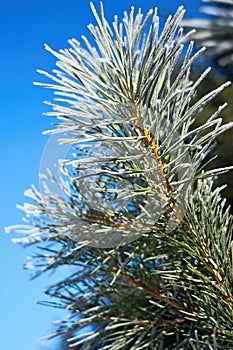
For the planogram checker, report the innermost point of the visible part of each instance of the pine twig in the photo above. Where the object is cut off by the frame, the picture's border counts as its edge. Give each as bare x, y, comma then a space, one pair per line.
147, 289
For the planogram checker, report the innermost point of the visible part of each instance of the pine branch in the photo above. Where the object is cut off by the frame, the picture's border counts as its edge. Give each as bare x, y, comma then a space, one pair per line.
133, 210
215, 31
147, 289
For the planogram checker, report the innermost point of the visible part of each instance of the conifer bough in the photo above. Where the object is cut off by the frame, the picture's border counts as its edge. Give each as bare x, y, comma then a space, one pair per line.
133, 210
215, 31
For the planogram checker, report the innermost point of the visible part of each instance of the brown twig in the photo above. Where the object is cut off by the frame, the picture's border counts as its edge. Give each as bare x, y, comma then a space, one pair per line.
147, 289
169, 323
172, 205
154, 150
231, 257
137, 323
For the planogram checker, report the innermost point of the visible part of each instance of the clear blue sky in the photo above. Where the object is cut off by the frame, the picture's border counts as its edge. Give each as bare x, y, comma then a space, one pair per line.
24, 27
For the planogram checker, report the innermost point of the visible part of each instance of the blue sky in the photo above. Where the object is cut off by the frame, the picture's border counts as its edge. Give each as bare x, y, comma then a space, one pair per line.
25, 26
